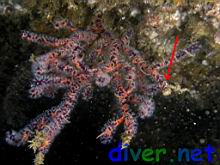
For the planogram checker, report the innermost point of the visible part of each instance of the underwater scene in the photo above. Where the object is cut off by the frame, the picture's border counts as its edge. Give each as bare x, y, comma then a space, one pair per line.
110, 81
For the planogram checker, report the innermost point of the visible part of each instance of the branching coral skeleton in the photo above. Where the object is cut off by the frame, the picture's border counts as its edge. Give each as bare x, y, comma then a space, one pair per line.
70, 66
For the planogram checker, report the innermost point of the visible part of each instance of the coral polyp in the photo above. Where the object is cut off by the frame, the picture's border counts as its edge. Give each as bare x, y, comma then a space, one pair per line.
88, 58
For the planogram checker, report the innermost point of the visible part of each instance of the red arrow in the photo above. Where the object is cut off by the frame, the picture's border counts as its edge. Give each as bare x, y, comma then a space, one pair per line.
168, 76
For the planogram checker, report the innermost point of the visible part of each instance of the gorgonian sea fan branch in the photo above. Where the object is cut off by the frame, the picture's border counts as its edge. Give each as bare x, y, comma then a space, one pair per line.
86, 58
